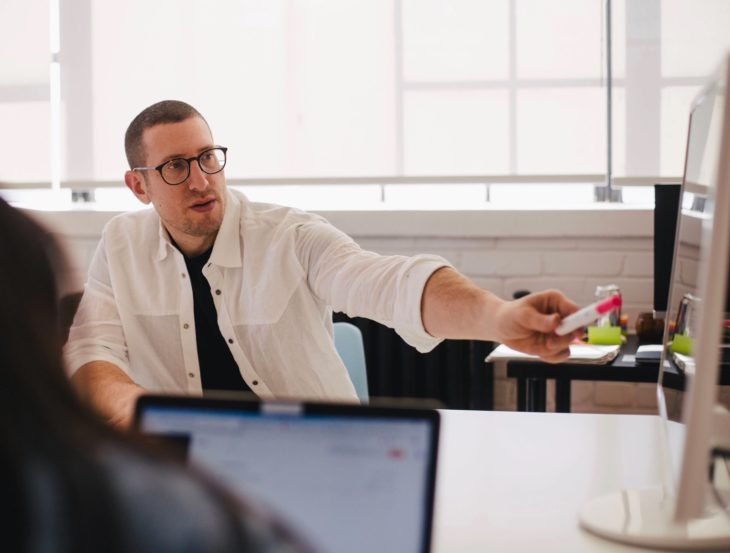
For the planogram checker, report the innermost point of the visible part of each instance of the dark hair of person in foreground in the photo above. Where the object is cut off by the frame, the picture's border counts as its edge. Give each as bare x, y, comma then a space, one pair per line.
68, 481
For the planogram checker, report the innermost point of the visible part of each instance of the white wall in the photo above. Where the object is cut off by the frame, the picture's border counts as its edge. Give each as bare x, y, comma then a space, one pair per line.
503, 251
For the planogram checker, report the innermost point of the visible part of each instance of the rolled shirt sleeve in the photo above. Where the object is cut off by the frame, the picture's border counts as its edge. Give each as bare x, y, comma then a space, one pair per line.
360, 283
97, 333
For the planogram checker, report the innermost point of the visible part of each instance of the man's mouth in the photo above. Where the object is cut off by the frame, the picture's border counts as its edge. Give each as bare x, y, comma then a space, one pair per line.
202, 205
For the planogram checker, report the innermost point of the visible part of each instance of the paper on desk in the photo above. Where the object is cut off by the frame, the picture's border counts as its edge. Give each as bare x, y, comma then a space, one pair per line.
579, 353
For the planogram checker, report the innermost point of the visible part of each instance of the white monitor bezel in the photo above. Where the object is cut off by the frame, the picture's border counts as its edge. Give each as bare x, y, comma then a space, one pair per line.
691, 519
701, 396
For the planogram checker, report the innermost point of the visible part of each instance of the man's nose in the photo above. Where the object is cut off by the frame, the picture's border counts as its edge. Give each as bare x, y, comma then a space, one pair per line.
198, 179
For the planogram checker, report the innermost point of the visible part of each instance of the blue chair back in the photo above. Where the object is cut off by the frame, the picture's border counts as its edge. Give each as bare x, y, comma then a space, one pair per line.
349, 344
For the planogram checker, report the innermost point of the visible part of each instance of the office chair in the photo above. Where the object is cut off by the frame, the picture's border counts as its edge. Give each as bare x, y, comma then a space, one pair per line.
349, 344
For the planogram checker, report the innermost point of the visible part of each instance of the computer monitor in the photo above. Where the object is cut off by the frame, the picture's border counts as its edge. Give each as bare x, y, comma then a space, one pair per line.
683, 513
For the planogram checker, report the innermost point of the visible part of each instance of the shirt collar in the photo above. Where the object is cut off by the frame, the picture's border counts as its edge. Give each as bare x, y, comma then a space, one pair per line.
164, 241
227, 247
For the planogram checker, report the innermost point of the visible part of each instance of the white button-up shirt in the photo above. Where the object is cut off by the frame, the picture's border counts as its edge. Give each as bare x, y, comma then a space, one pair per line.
275, 274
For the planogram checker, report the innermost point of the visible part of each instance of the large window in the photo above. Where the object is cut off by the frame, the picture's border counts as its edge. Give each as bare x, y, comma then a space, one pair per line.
671, 47
292, 88
362, 88
381, 89
25, 116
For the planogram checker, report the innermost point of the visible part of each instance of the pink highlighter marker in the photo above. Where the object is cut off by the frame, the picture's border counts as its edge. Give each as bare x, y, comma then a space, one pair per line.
587, 315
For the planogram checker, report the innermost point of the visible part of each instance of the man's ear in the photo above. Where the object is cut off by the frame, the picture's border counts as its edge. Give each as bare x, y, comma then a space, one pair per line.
137, 184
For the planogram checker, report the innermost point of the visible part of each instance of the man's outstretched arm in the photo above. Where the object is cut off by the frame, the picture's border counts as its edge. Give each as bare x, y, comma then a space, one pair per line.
454, 307
108, 390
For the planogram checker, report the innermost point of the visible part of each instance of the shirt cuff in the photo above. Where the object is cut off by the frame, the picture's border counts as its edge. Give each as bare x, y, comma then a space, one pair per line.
74, 361
408, 312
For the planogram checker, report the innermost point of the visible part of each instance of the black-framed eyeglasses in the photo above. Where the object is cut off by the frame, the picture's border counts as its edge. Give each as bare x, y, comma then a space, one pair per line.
177, 170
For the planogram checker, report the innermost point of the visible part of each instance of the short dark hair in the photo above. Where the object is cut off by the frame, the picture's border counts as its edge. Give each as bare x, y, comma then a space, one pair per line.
167, 111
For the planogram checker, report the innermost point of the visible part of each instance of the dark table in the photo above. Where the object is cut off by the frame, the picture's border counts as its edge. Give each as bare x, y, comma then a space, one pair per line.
532, 377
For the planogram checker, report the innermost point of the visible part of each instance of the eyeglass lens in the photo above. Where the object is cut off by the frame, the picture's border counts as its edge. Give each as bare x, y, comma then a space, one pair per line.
177, 170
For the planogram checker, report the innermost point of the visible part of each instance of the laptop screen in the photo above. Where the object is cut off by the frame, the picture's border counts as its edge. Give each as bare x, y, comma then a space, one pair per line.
347, 478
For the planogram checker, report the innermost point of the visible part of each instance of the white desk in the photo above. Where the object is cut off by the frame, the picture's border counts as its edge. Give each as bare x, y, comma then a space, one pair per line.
514, 482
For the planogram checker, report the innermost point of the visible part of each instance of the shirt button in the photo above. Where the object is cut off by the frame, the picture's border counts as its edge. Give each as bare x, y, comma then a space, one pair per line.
230, 340
191, 375
217, 292
255, 382
186, 326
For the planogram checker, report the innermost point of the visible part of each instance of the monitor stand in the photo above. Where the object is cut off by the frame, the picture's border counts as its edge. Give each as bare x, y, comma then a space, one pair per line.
645, 518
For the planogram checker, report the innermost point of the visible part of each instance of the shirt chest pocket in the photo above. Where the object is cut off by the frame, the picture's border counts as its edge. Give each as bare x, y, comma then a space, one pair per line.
150, 292
261, 294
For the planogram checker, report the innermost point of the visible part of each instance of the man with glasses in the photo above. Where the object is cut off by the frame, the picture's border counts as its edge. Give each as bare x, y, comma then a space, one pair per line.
209, 291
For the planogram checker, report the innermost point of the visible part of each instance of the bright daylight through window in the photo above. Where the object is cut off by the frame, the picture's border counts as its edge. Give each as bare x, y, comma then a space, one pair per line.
421, 103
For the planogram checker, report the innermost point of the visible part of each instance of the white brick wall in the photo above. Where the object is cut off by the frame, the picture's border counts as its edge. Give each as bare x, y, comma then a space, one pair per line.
503, 251
575, 266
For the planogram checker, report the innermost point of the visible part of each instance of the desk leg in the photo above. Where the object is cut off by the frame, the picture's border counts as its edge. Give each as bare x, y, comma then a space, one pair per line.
521, 394
536, 390
562, 395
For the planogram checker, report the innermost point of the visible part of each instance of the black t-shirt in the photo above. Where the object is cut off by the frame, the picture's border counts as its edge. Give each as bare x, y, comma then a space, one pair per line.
218, 369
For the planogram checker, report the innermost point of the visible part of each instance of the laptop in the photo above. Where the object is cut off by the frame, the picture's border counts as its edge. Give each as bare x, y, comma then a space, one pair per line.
345, 477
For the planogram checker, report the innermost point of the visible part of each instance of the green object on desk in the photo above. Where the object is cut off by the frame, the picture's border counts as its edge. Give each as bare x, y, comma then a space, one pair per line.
604, 335
681, 343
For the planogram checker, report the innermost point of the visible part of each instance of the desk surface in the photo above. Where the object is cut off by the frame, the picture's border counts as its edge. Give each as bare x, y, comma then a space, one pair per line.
514, 482
624, 368
531, 376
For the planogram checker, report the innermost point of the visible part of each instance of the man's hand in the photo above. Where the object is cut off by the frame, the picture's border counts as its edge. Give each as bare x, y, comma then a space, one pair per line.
528, 324
454, 307
109, 391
